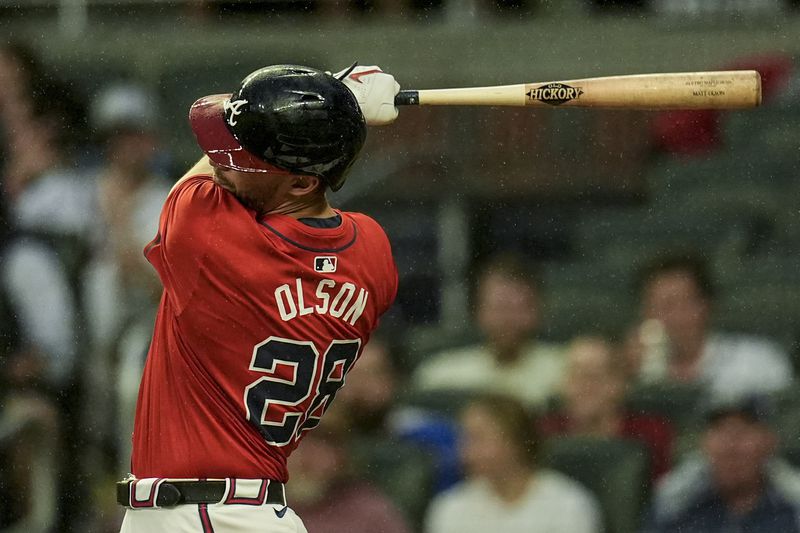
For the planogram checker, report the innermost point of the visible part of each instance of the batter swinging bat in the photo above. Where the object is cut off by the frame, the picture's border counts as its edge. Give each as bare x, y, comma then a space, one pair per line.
685, 90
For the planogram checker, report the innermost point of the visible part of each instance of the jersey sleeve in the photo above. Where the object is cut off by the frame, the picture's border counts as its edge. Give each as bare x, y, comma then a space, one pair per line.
193, 221
384, 259
394, 280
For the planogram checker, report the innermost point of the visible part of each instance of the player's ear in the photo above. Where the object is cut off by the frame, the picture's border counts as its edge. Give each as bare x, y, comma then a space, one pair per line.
303, 184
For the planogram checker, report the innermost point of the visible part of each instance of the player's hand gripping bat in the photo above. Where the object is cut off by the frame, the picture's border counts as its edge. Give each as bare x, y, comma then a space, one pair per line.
687, 90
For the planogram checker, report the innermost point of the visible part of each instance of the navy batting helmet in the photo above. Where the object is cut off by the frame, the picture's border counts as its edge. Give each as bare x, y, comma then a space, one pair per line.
283, 119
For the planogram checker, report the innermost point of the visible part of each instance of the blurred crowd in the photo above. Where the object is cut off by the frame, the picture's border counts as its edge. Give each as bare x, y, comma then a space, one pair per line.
427, 8
83, 184
670, 425
454, 11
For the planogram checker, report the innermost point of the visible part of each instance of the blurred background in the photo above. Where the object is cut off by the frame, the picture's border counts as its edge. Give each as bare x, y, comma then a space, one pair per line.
615, 274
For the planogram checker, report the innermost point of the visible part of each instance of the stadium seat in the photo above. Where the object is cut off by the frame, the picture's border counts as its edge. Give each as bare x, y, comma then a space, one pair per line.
615, 470
447, 403
27, 425
678, 402
769, 309
571, 311
787, 422
584, 274
403, 471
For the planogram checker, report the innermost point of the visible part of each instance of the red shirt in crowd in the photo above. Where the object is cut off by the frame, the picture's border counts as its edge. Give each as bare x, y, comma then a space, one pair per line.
655, 432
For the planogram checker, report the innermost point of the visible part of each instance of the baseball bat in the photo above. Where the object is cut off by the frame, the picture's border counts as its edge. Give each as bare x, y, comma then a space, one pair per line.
729, 89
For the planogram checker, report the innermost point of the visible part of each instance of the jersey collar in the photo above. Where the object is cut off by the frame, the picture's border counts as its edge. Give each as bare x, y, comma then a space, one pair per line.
312, 239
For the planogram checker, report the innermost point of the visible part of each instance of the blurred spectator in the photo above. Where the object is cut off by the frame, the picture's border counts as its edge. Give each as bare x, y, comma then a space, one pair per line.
48, 205
370, 393
326, 492
593, 396
120, 283
677, 343
43, 119
505, 489
370, 401
120, 289
736, 484
510, 359
49, 212
20, 71
28, 463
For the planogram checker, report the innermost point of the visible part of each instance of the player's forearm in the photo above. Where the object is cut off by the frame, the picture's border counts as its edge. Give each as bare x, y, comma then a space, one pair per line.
203, 166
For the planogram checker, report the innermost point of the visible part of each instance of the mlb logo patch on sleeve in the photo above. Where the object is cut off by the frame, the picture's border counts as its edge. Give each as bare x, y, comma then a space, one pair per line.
325, 263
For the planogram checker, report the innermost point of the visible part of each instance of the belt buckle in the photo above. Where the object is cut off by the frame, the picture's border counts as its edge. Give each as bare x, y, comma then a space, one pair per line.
168, 495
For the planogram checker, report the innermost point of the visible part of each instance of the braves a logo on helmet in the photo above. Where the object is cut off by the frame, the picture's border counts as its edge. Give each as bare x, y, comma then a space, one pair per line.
233, 110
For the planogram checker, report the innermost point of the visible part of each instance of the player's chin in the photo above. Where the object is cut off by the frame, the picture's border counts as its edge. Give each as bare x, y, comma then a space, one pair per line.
251, 203
222, 182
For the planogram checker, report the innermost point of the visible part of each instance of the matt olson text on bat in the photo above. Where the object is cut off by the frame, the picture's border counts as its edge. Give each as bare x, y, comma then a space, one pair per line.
708, 93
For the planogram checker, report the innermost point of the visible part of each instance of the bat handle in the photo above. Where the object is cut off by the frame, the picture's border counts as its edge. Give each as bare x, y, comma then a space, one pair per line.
407, 98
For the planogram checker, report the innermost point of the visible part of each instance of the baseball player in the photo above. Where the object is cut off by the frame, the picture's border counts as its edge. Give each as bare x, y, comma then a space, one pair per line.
269, 296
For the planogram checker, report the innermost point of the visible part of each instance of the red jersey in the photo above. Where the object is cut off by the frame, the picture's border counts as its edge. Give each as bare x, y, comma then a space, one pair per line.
259, 323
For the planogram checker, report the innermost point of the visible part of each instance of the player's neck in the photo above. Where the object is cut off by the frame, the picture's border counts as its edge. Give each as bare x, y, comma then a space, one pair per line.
307, 207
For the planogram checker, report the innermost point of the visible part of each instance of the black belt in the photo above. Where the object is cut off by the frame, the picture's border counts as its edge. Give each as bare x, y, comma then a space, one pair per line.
171, 493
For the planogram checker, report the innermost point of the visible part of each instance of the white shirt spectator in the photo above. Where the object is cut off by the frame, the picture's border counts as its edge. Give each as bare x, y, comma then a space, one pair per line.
108, 305
57, 203
742, 364
733, 364
532, 378
553, 503
44, 304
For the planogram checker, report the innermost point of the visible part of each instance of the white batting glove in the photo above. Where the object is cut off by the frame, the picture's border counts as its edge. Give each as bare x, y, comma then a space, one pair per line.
375, 91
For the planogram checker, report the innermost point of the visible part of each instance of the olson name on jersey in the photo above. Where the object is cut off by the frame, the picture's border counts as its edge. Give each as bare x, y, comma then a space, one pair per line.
344, 301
